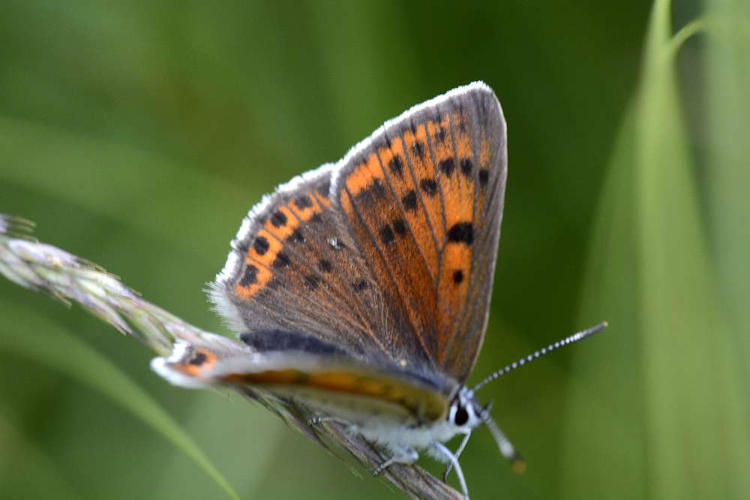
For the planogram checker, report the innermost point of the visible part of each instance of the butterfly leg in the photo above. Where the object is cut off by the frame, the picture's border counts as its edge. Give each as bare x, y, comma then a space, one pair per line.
320, 419
457, 455
444, 452
405, 455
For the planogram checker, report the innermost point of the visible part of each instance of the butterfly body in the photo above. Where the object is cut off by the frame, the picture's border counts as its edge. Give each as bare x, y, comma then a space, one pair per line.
361, 289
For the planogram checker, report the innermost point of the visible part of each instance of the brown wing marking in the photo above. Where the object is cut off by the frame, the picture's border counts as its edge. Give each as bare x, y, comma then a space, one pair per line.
426, 177
457, 184
377, 221
393, 160
484, 144
290, 237
300, 272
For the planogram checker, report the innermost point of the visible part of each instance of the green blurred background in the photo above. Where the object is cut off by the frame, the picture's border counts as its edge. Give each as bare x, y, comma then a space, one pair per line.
137, 135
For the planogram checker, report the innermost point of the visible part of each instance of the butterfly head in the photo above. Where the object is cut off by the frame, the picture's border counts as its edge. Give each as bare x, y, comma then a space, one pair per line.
465, 412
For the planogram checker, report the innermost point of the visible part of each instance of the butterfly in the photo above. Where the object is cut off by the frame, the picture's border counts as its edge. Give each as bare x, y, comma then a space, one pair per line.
360, 290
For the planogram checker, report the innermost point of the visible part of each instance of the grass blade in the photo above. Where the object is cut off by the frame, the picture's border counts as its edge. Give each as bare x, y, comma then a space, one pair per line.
650, 269
728, 138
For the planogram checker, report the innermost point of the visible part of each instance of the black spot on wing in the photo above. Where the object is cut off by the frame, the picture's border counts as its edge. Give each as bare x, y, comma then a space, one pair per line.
312, 281
410, 200
418, 149
386, 235
447, 166
429, 186
281, 260
442, 133
397, 166
378, 189
260, 245
297, 236
278, 219
198, 359
399, 226
303, 202
462, 232
250, 276
484, 176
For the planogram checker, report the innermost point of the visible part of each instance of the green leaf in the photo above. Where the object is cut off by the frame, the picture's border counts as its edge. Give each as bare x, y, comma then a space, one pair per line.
728, 175
678, 410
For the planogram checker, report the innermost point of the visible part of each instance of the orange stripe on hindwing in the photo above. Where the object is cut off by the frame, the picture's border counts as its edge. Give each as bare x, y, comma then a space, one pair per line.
281, 223
423, 403
254, 278
265, 250
304, 207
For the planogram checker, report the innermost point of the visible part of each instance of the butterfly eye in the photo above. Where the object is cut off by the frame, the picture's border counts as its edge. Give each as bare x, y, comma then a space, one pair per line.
461, 416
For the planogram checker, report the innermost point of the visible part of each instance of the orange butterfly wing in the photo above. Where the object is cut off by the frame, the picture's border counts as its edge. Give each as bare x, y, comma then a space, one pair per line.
388, 254
423, 198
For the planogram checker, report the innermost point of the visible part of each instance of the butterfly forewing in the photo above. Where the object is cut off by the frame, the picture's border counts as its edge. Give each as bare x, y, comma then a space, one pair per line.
423, 198
481, 151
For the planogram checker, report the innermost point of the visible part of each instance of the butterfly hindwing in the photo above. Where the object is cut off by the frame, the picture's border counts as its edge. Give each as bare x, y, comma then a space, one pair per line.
311, 375
293, 267
423, 199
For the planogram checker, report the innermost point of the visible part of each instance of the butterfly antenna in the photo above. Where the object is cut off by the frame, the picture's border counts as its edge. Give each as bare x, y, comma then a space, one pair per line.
560, 343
